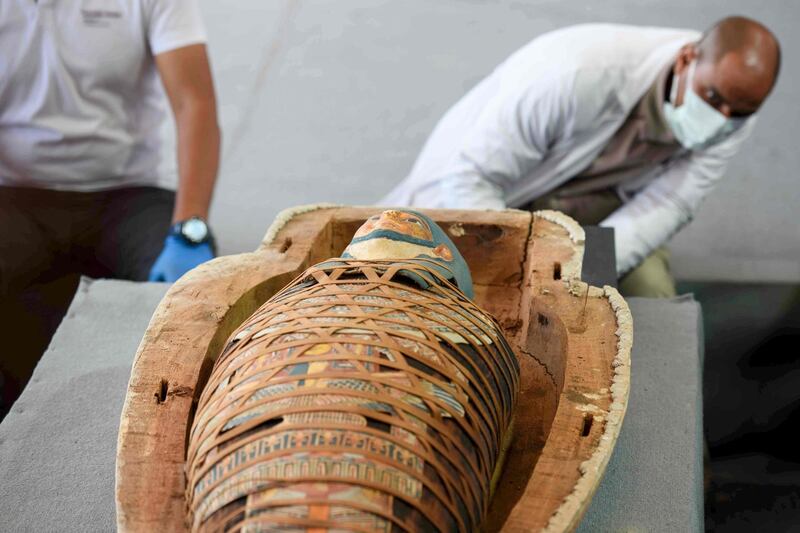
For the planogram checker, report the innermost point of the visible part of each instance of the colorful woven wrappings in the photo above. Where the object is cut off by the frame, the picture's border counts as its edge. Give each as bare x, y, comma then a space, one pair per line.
354, 400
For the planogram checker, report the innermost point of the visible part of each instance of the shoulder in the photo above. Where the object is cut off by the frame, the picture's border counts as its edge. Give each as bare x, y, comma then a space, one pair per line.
172, 24
595, 56
594, 46
607, 45
155, 9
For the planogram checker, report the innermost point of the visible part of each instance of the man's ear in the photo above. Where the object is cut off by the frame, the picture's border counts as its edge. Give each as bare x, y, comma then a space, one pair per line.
686, 55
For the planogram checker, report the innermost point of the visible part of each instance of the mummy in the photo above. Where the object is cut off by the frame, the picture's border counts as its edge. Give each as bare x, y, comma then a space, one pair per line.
370, 394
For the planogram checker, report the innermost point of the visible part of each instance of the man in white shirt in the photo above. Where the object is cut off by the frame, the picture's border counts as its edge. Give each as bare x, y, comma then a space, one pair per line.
81, 105
629, 127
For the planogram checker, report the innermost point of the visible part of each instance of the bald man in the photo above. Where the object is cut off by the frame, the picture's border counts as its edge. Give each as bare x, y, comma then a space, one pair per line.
623, 126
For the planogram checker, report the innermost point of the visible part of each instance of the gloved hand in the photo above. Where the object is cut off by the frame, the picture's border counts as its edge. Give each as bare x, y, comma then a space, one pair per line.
178, 257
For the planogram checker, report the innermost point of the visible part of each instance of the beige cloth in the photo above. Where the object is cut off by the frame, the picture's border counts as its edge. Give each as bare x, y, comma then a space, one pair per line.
643, 142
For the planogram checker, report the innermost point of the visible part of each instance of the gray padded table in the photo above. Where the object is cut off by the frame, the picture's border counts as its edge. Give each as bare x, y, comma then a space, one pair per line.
58, 443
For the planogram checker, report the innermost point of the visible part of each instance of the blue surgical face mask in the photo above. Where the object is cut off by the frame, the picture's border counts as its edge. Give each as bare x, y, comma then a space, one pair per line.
695, 123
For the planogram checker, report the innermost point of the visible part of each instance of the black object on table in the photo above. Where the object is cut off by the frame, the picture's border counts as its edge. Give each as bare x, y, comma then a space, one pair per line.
599, 258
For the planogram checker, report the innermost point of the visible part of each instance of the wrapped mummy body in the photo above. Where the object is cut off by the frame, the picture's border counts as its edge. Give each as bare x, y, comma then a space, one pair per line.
370, 394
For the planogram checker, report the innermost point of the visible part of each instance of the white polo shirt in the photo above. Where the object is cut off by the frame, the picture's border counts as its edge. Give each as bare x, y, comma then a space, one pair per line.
81, 103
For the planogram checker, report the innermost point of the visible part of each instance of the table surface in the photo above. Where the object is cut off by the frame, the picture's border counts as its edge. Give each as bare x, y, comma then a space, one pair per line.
58, 443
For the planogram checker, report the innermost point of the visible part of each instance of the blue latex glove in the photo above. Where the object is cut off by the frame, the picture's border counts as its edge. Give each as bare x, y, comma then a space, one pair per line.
178, 257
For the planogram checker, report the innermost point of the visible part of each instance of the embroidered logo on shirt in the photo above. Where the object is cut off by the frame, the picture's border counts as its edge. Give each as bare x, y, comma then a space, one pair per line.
99, 17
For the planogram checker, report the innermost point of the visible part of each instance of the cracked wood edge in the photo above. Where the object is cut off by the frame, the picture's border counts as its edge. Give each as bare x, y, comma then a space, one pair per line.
285, 216
569, 514
598, 328
572, 268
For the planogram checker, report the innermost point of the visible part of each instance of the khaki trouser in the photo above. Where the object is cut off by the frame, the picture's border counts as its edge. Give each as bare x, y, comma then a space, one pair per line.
652, 278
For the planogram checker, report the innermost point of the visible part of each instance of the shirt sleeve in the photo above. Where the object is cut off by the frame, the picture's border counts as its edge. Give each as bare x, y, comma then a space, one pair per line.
173, 24
510, 137
670, 202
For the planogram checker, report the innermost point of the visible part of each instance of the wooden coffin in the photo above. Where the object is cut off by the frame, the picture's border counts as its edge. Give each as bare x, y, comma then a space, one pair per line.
573, 342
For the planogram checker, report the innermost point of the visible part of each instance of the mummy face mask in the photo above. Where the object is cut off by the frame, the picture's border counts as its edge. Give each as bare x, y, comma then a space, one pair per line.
396, 234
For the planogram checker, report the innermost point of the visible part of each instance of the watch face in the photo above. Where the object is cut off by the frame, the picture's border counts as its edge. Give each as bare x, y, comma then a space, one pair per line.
194, 230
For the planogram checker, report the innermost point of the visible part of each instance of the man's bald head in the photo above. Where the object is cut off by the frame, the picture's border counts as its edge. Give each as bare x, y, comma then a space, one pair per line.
738, 60
746, 38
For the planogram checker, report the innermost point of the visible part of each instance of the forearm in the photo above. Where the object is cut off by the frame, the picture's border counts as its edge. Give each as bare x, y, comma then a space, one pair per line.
660, 210
641, 226
198, 157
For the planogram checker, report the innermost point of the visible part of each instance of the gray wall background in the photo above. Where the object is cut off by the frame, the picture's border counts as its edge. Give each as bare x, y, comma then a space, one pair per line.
330, 101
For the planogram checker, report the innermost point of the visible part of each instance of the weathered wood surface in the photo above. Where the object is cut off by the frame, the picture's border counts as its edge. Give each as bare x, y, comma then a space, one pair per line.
570, 346
573, 334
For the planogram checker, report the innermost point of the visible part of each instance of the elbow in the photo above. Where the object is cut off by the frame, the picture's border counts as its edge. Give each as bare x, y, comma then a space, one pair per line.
197, 106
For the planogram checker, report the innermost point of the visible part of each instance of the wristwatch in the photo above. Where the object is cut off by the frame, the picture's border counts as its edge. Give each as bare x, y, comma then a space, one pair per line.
193, 231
